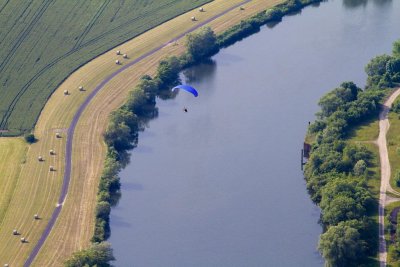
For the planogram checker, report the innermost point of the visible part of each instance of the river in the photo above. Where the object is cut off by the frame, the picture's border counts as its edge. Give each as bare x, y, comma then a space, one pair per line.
221, 185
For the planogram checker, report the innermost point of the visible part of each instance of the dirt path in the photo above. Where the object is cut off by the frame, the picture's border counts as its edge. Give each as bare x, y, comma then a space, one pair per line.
385, 173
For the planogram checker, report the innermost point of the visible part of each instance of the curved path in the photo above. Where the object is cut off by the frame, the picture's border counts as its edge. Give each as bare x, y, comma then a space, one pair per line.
71, 130
385, 173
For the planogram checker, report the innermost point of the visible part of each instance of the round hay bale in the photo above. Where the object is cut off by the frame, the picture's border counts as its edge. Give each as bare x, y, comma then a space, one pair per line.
80, 88
193, 18
51, 152
23, 240
241, 8
117, 62
118, 52
66, 92
6, 265
125, 56
51, 168
40, 158
201, 9
15, 232
58, 135
36, 216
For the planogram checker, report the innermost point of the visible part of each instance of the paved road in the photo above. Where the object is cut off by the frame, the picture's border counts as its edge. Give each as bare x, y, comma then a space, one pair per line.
385, 173
71, 130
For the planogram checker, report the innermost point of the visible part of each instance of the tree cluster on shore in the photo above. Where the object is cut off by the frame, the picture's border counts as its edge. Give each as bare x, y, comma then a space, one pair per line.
99, 254
336, 173
125, 123
252, 25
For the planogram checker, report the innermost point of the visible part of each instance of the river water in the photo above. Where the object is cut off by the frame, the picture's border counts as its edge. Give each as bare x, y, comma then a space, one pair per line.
221, 185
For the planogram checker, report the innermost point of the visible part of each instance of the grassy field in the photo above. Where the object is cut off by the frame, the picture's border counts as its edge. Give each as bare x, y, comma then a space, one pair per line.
12, 156
369, 131
393, 142
365, 134
43, 41
38, 188
388, 209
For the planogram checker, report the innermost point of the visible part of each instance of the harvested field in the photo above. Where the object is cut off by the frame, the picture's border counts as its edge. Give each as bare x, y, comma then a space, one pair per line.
46, 40
38, 189
12, 156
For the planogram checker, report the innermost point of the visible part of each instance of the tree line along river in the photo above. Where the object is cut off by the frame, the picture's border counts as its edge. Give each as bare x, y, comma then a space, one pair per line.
221, 185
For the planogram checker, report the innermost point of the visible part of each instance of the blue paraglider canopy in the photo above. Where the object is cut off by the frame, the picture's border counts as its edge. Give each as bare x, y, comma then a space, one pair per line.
187, 88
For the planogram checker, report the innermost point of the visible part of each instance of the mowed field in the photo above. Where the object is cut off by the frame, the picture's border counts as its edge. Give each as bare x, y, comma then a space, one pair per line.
12, 156
43, 41
38, 188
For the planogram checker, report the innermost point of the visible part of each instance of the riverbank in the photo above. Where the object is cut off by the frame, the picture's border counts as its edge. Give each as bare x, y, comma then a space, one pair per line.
136, 115
88, 153
337, 167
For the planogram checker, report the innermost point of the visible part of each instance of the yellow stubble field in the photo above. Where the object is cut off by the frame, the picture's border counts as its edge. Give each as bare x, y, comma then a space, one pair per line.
38, 188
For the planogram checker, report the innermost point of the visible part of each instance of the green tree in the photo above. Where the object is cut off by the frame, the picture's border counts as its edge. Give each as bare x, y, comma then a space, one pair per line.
360, 167
274, 13
123, 115
30, 138
385, 81
201, 43
103, 210
393, 66
99, 254
168, 71
397, 178
344, 199
396, 49
341, 245
342, 208
377, 65
337, 98
118, 136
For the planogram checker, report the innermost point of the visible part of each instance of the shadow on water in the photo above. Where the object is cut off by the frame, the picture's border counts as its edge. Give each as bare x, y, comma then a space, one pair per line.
119, 222
114, 198
272, 24
350, 4
148, 113
294, 13
204, 70
133, 187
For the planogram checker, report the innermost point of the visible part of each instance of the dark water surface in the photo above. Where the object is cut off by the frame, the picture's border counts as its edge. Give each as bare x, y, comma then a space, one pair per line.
221, 185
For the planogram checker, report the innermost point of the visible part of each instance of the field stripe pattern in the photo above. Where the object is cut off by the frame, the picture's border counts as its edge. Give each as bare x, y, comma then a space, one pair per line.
38, 190
71, 130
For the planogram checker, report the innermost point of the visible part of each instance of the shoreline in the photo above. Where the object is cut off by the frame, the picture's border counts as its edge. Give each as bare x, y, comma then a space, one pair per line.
71, 131
42, 131
95, 143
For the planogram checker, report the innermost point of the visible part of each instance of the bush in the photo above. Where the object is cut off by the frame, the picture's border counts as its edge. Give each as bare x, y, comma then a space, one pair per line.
342, 245
274, 14
236, 33
99, 254
103, 210
396, 49
360, 168
201, 44
396, 107
30, 138
397, 178
168, 72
